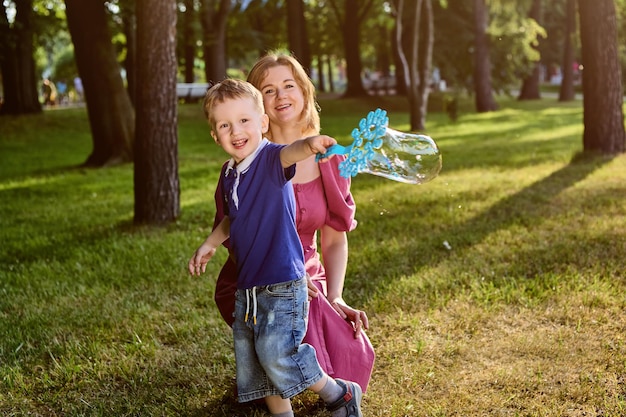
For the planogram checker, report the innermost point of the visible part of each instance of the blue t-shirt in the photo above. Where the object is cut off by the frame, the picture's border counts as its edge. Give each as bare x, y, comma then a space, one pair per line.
261, 208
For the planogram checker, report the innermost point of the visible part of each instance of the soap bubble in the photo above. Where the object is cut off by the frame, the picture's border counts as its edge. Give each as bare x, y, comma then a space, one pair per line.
379, 150
399, 156
405, 157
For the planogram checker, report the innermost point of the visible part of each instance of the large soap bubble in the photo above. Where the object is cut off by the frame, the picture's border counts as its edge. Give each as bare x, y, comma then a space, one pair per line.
379, 150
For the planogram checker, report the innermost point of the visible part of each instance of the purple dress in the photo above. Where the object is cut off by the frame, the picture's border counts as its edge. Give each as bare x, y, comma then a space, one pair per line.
324, 201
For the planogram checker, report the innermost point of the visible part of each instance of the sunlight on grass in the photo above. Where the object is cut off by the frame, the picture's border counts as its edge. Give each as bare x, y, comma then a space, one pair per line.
497, 288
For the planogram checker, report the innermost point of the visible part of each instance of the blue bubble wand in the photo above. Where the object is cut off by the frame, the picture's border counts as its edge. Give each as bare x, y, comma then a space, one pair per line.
380, 150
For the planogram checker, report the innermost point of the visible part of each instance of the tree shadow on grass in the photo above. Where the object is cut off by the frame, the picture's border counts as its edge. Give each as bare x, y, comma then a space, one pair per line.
414, 252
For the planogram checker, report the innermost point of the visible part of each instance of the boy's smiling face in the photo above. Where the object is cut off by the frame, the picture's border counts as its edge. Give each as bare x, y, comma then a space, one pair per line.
239, 126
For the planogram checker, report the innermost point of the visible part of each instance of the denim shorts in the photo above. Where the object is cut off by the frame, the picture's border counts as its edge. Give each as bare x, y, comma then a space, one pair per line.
270, 356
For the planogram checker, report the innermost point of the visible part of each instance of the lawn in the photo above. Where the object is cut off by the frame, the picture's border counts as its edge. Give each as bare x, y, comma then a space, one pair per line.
497, 289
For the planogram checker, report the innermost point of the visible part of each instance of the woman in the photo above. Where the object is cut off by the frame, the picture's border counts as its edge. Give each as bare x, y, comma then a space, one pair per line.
324, 206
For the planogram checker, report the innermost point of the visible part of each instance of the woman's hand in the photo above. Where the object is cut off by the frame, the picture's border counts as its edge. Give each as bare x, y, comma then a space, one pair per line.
358, 318
313, 290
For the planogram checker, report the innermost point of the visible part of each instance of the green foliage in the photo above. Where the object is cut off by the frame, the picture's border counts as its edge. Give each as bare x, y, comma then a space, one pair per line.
513, 37
64, 66
481, 286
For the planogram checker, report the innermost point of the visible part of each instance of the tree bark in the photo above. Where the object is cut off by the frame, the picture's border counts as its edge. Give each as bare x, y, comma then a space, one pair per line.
424, 66
329, 68
129, 21
297, 33
530, 85
602, 81
418, 41
482, 61
214, 18
110, 111
17, 63
189, 41
321, 84
566, 91
350, 22
157, 191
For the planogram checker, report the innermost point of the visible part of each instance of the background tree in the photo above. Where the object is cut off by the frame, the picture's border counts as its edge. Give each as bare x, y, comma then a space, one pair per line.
530, 84
214, 19
482, 61
297, 33
17, 64
417, 61
157, 190
187, 40
111, 114
349, 20
265, 23
603, 95
566, 91
129, 27
325, 43
508, 33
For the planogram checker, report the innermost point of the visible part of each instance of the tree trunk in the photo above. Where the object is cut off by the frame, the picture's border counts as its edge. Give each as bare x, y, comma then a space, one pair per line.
412, 43
329, 65
214, 17
530, 86
401, 82
602, 81
426, 41
157, 191
297, 34
129, 20
482, 61
189, 41
110, 111
383, 61
350, 22
566, 91
17, 63
321, 85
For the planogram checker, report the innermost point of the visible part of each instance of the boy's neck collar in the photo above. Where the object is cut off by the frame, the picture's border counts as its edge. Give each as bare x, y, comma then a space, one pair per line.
245, 163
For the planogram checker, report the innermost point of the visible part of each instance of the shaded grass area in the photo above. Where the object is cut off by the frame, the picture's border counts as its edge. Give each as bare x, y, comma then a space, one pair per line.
496, 289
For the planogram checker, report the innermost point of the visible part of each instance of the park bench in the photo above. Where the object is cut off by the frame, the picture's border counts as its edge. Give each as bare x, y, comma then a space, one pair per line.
191, 92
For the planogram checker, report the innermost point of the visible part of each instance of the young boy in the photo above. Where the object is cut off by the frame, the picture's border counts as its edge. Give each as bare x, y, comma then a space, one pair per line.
271, 305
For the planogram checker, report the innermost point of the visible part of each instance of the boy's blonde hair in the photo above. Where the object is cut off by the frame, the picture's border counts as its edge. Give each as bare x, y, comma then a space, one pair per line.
310, 117
229, 89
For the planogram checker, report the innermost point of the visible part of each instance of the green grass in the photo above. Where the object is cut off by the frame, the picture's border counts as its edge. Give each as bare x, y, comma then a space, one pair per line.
496, 289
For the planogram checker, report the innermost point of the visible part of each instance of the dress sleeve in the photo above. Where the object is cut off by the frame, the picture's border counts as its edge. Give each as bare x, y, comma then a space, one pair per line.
341, 206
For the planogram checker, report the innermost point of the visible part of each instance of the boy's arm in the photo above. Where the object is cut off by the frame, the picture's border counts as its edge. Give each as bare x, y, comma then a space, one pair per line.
202, 256
303, 148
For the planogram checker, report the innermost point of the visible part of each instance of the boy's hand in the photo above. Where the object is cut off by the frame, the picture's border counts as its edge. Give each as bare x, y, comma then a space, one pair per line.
199, 260
319, 144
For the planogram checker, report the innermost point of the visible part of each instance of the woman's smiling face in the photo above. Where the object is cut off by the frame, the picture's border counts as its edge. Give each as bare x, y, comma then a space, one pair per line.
282, 96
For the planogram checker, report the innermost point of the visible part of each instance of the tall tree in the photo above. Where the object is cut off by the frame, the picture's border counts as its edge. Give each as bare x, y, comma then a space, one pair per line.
297, 33
530, 85
188, 41
111, 114
566, 91
417, 63
349, 20
129, 26
603, 95
17, 64
157, 191
482, 61
214, 17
